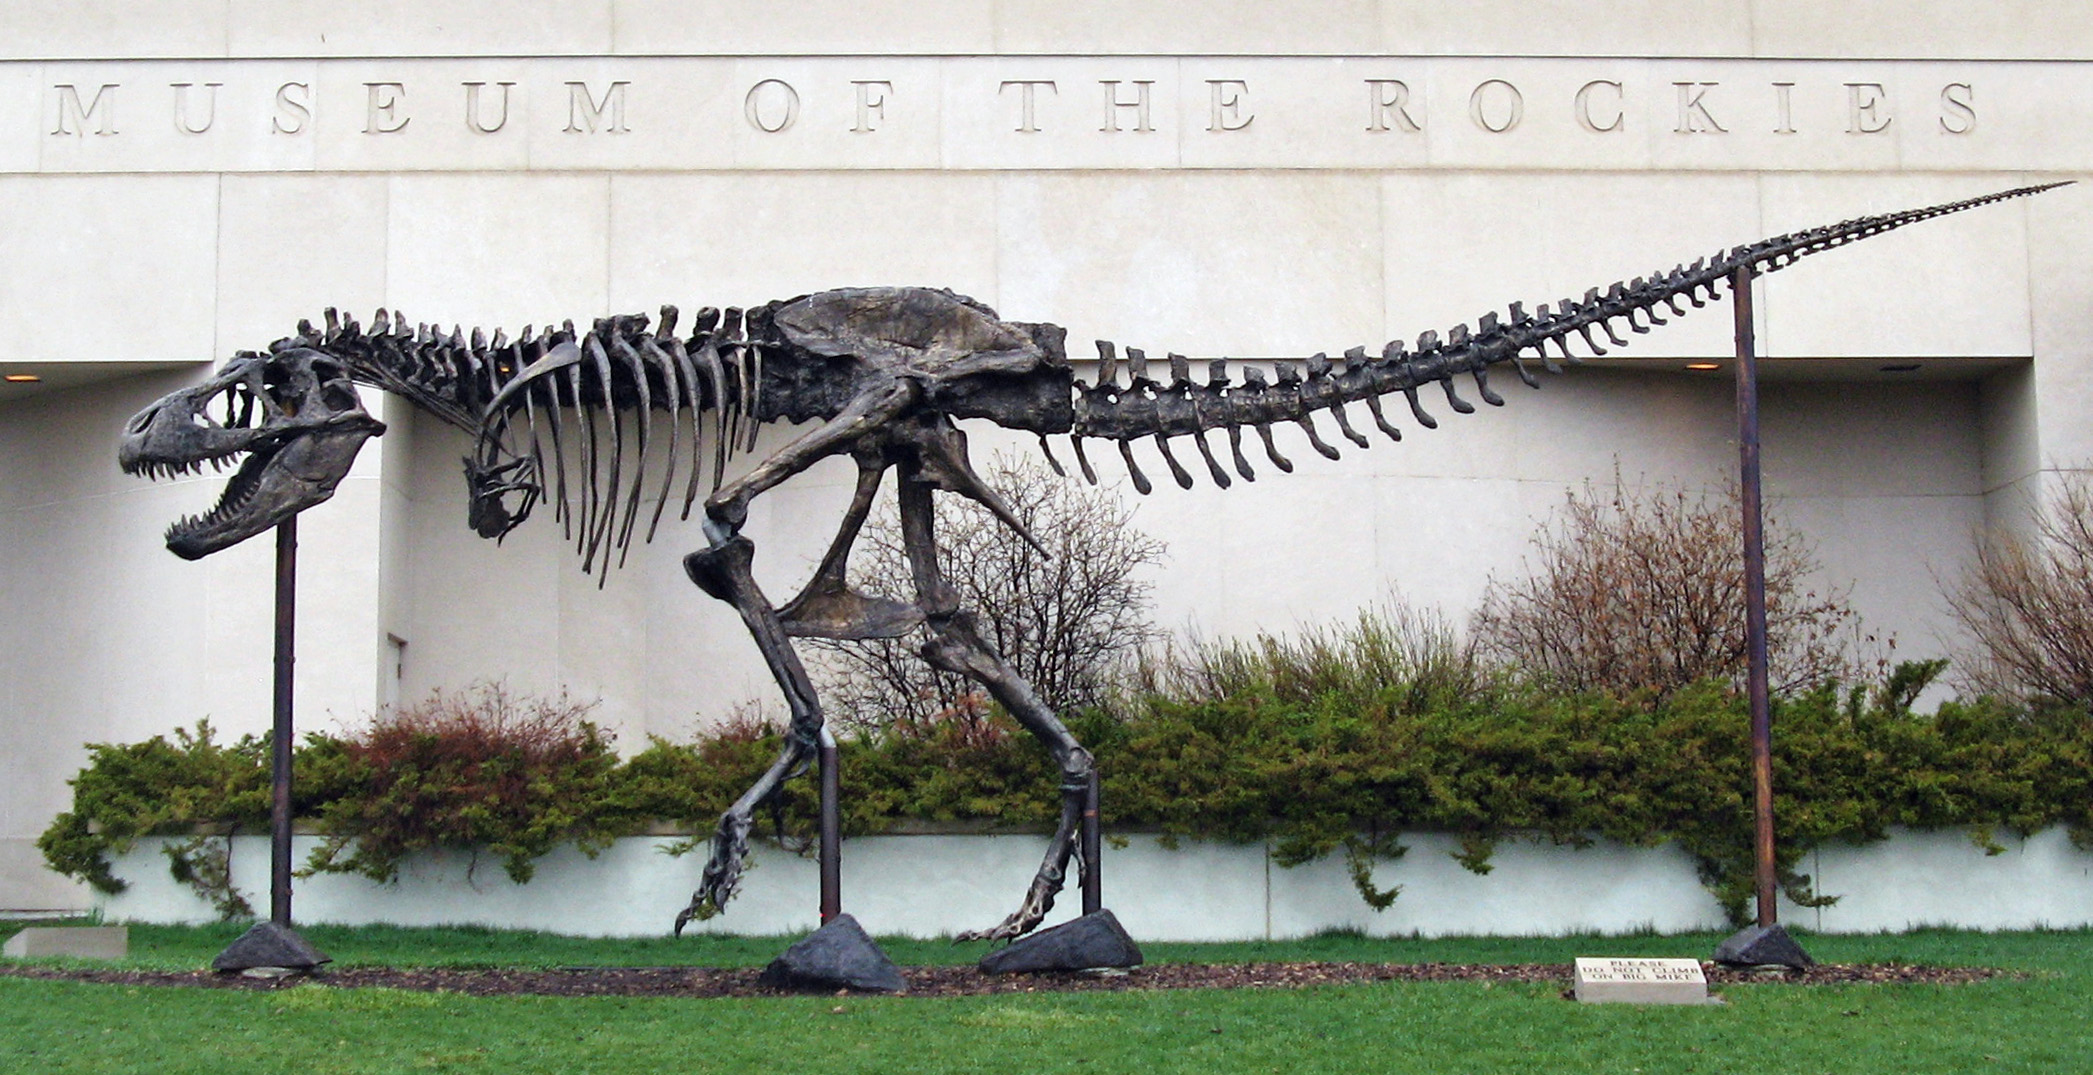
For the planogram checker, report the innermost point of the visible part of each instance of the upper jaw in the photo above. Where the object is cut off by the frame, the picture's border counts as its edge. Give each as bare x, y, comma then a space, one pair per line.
291, 423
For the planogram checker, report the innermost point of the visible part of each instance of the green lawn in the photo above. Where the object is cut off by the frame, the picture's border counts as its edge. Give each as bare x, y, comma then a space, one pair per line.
2036, 1022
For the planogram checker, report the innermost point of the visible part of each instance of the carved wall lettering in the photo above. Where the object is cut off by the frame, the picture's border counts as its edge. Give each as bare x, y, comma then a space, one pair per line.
1958, 108
771, 105
1867, 108
1026, 117
293, 111
99, 114
1139, 105
1496, 106
382, 107
1388, 102
1611, 107
585, 114
182, 118
476, 119
1304, 95
872, 104
1694, 117
1784, 107
1224, 110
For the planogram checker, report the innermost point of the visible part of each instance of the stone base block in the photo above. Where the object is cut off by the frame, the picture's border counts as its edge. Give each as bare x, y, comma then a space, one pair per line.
1094, 940
1763, 946
80, 942
840, 955
269, 945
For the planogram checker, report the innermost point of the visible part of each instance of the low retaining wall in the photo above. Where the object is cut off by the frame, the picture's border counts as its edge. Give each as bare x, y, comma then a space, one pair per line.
929, 886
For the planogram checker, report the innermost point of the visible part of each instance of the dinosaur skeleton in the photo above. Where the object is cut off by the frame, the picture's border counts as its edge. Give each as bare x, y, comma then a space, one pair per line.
613, 424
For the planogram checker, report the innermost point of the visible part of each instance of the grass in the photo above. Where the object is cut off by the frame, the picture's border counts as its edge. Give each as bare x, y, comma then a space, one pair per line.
2038, 1022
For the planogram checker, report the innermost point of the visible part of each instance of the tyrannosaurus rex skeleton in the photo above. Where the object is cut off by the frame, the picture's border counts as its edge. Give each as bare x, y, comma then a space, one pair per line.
614, 423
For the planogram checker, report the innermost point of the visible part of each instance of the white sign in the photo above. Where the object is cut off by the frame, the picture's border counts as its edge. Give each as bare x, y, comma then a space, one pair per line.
1640, 981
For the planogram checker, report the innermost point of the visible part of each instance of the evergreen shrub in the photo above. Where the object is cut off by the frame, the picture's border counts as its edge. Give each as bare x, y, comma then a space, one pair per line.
1263, 741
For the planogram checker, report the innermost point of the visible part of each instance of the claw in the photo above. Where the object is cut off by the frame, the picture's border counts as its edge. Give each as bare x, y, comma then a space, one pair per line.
722, 874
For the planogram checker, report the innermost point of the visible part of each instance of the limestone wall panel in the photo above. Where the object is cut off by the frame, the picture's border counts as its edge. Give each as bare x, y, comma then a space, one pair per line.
293, 246
134, 257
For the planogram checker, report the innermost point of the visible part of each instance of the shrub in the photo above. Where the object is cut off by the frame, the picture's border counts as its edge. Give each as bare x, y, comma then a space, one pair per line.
160, 788
1284, 742
1643, 592
1071, 621
476, 769
2028, 603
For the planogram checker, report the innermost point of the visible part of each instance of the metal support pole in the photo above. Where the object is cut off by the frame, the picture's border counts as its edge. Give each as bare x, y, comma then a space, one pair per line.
831, 828
1092, 850
280, 746
1754, 598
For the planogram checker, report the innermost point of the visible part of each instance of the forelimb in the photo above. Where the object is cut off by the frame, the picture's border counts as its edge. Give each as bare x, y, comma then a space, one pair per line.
956, 646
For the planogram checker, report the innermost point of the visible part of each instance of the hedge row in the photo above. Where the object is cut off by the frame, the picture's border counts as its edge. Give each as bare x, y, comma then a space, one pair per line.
1315, 773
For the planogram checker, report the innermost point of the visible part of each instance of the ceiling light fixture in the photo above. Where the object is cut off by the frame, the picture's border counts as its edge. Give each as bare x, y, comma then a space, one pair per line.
23, 378
1704, 365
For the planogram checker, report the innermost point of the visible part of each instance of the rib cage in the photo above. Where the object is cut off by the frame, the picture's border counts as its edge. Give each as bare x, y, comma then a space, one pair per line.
563, 403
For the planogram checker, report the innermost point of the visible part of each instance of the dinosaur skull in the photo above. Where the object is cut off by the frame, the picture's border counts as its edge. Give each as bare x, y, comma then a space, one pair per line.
292, 413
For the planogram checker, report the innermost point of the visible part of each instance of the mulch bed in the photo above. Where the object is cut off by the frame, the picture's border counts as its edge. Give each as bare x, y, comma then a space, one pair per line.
960, 981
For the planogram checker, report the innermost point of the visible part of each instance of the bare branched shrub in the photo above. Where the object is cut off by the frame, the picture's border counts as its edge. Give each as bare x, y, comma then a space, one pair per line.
1643, 591
2028, 604
1072, 622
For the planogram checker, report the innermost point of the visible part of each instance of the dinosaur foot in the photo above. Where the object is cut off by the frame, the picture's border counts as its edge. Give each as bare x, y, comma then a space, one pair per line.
1022, 921
722, 876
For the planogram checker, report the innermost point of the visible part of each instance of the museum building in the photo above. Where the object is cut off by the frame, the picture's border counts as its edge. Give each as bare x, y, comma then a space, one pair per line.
186, 179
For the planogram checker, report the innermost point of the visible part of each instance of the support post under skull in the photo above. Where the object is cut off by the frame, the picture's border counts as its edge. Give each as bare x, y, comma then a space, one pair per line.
614, 424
